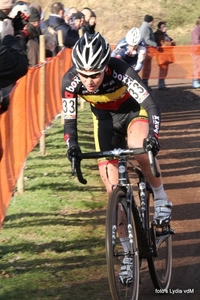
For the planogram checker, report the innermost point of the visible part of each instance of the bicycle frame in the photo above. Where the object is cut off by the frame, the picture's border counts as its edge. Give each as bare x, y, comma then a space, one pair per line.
142, 218
145, 239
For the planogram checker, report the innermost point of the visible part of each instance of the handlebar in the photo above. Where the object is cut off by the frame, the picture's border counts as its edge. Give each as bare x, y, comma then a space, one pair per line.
76, 165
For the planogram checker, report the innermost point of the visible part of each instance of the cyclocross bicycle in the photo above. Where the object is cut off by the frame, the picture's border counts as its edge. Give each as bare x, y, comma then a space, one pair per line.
146, 241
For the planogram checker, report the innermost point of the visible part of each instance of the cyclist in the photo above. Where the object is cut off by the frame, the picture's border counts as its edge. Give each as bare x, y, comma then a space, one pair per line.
131, 49
123, 113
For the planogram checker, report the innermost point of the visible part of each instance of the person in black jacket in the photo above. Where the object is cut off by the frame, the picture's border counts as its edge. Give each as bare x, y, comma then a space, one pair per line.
13, 62
56, 20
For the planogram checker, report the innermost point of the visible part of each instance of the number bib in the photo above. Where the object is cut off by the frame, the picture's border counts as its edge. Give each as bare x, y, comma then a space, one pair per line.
137, 91
69, 108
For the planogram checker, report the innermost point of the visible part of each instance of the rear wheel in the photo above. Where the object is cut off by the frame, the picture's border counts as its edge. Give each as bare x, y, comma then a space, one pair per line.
116, 218
160, 265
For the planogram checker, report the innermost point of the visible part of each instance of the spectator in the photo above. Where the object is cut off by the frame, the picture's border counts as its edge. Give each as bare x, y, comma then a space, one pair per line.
5, 8
87, 13
20, 6
19, 21
164, 59
39, 9
70, 12
56, 17
131, 49
149, 39
13, 61
77, 21
195, 41
37, 6
90, 21
33, 37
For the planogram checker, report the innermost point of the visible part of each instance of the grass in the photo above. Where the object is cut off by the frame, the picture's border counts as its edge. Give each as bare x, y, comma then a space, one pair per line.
52, 240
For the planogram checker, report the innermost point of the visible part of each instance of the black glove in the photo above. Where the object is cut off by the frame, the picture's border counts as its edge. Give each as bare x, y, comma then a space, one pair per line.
74, 151
19, 21
151, 144
4, 101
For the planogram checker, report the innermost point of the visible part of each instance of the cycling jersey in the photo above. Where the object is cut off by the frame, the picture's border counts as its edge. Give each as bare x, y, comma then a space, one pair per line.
134, 58
122, 91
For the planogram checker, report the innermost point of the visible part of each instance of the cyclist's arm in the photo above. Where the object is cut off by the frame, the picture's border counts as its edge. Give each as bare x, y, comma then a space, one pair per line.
138, 91
69, 105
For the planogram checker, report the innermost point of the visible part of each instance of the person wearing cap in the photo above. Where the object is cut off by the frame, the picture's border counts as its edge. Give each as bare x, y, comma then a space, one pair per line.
39, 9
33, 37
149, 39
19, 19
20, 6
131, 49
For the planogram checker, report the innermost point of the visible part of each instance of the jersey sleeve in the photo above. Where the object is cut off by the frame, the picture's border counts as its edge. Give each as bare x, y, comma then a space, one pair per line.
138, 90
69, 106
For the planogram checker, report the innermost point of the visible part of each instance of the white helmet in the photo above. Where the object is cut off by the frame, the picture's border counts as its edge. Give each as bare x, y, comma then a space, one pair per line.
91, 52
133, 36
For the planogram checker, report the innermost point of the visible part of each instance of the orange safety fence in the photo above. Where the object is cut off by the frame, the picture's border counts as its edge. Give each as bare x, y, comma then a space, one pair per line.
180, 58
20, 128
20, 125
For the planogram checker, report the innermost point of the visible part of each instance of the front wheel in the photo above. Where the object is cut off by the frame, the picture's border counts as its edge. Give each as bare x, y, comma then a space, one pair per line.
160, 267
160, 264
118, 229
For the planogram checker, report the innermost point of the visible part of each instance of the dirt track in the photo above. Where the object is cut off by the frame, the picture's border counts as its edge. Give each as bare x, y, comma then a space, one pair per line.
180, 162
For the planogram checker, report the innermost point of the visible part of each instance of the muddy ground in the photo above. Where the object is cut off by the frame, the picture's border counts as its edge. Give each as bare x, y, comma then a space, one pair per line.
180, 162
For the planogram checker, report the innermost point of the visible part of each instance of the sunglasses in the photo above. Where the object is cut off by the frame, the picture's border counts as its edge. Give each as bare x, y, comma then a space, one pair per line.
92, 76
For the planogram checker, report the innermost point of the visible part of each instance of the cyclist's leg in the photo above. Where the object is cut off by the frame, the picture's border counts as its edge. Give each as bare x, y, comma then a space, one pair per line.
108, 170
138, 130
106, 139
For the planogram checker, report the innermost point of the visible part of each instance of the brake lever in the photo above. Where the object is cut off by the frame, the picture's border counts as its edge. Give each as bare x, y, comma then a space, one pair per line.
76, 169
73, 165
152, 163
79, 173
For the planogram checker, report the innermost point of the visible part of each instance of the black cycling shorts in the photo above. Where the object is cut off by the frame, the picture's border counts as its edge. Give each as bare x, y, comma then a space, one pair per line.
110, 127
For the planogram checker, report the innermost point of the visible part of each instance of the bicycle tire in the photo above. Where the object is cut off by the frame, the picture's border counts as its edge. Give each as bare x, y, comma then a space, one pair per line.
160, 266
115, 252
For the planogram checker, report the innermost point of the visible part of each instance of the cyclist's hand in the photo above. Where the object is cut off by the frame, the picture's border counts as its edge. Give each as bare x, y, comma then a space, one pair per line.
74, 151
151, 144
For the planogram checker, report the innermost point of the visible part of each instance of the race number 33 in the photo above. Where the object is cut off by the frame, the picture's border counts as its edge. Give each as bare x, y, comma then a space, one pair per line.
69, 108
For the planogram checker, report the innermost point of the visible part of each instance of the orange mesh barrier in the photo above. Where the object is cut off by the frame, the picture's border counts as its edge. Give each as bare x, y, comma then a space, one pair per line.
179, 57
20, 125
